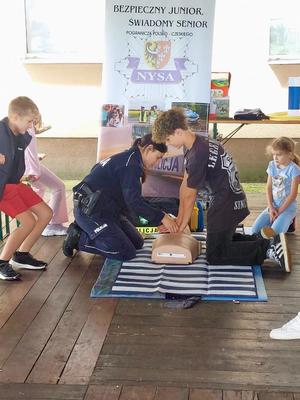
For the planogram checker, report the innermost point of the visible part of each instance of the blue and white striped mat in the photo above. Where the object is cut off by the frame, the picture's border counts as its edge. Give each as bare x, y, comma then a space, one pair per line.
140, 277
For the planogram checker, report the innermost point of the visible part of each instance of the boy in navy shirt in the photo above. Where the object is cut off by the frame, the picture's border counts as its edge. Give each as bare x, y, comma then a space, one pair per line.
17, 199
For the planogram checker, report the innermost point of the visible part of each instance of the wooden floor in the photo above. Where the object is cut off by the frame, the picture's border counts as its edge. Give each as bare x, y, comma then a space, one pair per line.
58, 343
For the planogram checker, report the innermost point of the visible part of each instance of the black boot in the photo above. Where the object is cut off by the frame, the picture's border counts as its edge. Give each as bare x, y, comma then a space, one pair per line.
71, 240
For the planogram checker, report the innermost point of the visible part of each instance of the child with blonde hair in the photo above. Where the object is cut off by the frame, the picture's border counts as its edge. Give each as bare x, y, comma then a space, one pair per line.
282, 189
17, 199
281, 197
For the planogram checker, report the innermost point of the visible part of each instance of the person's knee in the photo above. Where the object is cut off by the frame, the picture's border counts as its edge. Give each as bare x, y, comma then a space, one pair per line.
45, 216
42, 212
281, 225
29, 223
124, 252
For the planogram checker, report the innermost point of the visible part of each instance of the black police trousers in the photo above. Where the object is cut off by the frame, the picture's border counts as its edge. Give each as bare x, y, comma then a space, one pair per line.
115, 238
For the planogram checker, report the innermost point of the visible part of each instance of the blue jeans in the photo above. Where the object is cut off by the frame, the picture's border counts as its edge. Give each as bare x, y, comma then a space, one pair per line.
281, 223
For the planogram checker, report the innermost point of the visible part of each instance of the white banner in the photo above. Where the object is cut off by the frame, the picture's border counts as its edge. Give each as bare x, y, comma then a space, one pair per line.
157, 56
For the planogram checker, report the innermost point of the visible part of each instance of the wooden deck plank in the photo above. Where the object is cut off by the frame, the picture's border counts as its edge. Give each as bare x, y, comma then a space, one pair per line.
200, 379
249, 395
205, 394
17, 391
213, 323
204, 355
99, 392
21, 319
220, 343
84, 356
155, 308
232, 395
145, 392
207, 361
202, 311
57, 351
171, 393
275, 396
190, 331
17, 290
52, 332
3, 288
27, 351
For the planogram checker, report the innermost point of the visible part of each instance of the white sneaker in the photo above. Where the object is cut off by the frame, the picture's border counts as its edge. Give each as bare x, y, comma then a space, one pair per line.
290, 330
55, 230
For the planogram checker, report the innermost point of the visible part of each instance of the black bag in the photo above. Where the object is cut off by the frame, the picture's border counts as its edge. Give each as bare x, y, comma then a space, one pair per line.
250, 114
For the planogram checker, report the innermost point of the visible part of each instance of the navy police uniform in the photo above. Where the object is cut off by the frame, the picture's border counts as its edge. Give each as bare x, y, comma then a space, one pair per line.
107, 230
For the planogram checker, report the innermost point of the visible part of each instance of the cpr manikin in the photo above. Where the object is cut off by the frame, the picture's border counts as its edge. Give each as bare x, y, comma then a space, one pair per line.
175, 248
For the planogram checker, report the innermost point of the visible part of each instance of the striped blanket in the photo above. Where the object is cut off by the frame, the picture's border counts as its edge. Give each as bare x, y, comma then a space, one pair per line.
142, 278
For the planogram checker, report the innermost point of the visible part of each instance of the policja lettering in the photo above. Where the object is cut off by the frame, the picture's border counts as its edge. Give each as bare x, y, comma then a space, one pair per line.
169, 164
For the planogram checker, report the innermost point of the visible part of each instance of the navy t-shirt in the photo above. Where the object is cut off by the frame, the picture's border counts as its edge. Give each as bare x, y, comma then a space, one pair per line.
17, 159
210, 167
12, 147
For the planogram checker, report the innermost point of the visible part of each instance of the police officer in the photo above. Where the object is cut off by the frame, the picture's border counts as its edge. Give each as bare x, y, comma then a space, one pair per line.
107, 196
